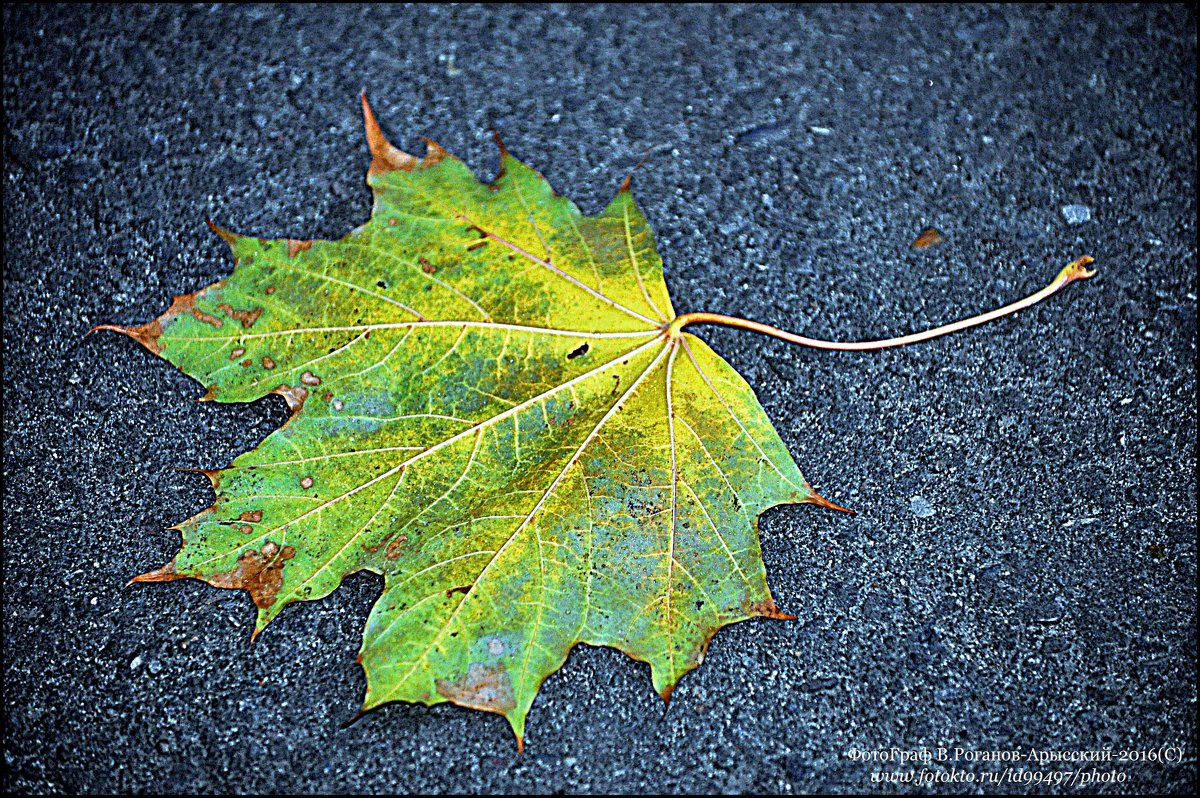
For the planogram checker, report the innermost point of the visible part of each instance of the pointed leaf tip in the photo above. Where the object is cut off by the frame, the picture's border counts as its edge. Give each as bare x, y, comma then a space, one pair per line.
385, 157
212, 474
147, 335
500, 143
110, 327
821, 501
353, 719
767, 609
228, 237
665, 695
166, 573
434, 152
628, 181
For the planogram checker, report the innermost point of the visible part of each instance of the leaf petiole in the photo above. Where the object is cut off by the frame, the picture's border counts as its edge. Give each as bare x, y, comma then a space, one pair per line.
1075, 270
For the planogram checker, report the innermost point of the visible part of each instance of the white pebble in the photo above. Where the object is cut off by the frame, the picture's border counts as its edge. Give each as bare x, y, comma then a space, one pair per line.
1076, 214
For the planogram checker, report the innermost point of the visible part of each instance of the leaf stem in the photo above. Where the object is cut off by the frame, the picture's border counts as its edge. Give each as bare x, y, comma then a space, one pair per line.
1076, 270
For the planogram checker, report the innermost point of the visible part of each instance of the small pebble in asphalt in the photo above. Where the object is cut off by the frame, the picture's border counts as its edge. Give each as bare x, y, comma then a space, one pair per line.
920, 508
1076, 214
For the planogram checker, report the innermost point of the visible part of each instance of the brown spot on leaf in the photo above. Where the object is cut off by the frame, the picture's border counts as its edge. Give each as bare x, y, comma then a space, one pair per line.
392, 222
207, 318
246, 317
260, 573
306, 482
476, 246
253, 516
235, 354
577, 351
296, 247
929, 237
464, 589
268, 363
270, 290
483, 686
308, 378
294, 395
426, 266
393, 551
246, 529
396, 547
246, 363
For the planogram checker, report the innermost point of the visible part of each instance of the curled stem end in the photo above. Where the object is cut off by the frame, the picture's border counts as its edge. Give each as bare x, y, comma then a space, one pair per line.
1077, 270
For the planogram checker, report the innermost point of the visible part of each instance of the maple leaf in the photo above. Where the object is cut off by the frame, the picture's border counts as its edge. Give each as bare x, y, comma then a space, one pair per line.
495, 407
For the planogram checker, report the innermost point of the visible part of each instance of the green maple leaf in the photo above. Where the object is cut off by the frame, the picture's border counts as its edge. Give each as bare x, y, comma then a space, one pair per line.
495, 407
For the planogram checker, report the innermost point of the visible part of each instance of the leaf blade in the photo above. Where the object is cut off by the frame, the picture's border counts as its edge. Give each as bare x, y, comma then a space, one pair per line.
489, 409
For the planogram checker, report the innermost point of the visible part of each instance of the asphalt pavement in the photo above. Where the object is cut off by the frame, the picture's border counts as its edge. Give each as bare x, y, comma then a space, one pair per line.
1021, 574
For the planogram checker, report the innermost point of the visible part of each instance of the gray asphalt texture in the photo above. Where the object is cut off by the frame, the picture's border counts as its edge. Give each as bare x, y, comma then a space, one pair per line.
1021, 573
